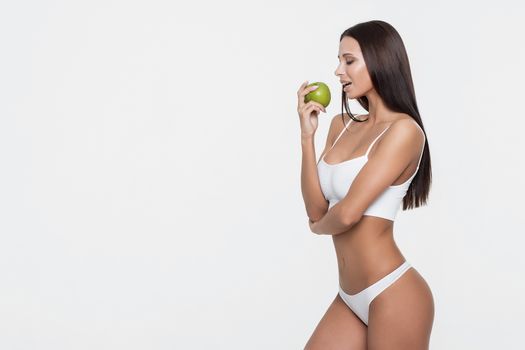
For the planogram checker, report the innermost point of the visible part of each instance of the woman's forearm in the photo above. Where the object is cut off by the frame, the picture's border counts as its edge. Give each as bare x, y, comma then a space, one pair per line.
333, 222
314, 201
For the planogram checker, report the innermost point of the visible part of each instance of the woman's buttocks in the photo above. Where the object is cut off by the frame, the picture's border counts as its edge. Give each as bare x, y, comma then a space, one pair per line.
364, 257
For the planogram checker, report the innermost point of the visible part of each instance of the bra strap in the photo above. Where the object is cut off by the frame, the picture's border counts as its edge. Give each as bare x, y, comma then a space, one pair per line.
372, 144
338, 137
341, 134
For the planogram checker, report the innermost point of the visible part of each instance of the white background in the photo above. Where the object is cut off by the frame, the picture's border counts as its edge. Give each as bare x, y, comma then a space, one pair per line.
150, 171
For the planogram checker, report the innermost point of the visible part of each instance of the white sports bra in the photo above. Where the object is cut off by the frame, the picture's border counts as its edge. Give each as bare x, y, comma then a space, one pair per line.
336, 179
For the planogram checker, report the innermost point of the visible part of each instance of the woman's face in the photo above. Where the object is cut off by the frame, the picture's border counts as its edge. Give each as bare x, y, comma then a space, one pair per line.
352, 68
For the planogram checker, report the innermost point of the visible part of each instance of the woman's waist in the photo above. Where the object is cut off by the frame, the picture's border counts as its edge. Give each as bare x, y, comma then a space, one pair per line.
362, 270
368, 257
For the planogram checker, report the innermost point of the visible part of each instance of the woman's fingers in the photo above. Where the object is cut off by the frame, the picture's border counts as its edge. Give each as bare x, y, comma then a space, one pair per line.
311, 105
317, 104
302, 87
307, 110
303, 91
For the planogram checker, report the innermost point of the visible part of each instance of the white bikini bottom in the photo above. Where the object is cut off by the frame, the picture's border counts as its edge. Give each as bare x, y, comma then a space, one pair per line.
360, 302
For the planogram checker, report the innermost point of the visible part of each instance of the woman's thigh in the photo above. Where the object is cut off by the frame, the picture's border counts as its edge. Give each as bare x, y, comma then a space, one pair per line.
339, 328
401, 317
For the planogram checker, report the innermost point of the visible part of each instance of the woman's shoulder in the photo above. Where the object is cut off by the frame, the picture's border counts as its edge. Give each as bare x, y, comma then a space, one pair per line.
342, 119
407, 128
405, 121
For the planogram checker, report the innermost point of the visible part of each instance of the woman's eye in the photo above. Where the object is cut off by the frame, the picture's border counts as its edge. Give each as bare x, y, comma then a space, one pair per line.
349, 62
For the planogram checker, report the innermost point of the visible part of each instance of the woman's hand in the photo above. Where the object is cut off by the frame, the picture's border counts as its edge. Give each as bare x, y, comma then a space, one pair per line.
308, 112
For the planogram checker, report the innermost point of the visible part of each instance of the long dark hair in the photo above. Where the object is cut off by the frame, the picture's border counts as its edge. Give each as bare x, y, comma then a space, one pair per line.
389, 69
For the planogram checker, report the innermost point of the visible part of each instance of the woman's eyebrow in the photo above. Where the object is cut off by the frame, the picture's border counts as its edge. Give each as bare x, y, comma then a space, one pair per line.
346, 54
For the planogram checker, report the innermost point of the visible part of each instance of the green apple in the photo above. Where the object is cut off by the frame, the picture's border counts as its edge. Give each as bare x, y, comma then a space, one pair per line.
320, 95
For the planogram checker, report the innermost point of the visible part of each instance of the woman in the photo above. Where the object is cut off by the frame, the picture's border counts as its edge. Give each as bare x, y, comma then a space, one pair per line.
371, 163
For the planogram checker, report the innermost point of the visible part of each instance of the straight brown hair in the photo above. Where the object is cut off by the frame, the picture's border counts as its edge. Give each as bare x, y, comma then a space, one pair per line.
389, 69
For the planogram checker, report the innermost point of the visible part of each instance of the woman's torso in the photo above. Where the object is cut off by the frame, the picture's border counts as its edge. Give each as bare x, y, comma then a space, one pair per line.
367, 251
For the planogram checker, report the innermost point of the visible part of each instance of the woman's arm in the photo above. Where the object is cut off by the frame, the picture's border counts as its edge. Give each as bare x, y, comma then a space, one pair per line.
314, 201
333, 223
